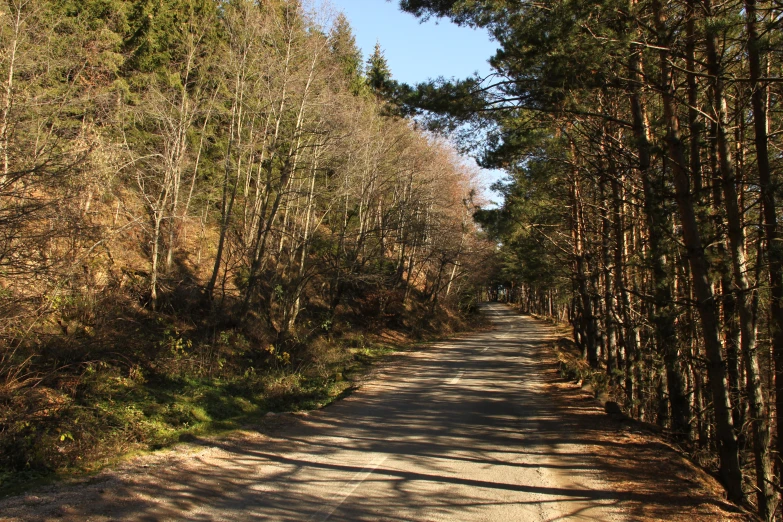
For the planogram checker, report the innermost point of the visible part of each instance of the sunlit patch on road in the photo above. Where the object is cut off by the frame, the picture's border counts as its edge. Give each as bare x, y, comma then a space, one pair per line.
456, 379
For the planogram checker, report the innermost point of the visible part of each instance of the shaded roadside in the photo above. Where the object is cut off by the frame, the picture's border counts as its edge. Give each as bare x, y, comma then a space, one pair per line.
476, 428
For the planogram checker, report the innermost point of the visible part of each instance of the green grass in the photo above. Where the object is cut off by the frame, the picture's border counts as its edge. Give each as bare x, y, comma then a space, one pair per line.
112, 408
114, 414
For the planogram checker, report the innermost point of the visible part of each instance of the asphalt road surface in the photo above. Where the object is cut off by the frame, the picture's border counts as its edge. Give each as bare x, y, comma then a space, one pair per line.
462, 430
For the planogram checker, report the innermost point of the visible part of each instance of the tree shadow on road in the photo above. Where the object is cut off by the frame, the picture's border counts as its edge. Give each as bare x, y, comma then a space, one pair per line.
452, 432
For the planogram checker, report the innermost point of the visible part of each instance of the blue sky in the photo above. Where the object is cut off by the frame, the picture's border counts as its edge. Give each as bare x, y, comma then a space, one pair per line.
416, 51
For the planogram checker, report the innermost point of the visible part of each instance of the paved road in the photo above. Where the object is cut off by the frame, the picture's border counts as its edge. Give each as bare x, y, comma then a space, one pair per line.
460, 431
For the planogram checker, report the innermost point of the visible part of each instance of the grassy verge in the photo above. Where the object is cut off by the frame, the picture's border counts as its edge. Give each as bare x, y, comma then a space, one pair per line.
111, 411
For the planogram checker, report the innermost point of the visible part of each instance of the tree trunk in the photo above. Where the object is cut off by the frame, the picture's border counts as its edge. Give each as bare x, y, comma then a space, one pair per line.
664, 312
730, 471
764, 476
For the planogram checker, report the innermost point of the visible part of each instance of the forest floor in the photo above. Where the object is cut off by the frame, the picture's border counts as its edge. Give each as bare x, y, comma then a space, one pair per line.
480, 427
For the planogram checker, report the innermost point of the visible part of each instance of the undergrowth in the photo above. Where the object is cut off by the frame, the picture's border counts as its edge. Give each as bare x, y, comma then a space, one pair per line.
170, 388
574, 367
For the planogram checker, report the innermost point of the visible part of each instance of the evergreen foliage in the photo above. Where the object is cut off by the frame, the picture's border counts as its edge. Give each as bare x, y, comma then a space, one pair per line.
641, 202
378, 74
346, 52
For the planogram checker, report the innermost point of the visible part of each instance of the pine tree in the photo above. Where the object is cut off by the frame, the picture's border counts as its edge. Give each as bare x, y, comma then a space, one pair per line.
379, 76
636, 175
346, 53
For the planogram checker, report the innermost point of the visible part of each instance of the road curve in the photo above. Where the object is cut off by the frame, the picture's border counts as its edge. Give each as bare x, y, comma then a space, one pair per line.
463, 430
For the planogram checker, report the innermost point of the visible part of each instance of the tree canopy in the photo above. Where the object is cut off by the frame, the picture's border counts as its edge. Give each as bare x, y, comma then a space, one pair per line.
201, 200
643, 158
